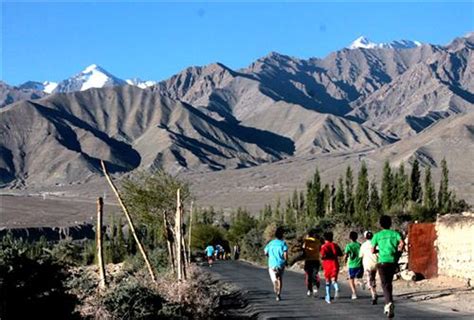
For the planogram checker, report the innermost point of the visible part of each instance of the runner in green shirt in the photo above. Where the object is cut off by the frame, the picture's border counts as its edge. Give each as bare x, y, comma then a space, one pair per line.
389, 244
354, 262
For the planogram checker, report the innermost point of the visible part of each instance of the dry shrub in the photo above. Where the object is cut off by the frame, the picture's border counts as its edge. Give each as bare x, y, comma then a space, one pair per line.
197, 298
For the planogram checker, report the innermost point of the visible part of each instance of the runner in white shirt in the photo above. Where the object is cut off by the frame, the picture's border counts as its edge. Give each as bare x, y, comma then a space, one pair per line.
369, 261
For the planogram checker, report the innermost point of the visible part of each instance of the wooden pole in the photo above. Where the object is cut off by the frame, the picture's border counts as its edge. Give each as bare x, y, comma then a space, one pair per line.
185, 256
130, 223
184, 259
100, 255
178, 236
190, 230
183, 240
169, 242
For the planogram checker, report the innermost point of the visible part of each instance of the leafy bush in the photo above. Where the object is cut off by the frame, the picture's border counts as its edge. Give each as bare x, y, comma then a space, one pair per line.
67, 252
89, 252
240, 226
158, 259
32, 287
130, 300
82, 282
252, 246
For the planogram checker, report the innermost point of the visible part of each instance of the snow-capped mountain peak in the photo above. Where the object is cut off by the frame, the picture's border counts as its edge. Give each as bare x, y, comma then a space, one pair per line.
141, 83
365, 43
45, 86
49, 86
92, 68
91, 77
362, 42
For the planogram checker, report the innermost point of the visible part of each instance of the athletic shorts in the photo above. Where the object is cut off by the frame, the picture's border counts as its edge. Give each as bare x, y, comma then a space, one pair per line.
276, 273
356, 273
331, 270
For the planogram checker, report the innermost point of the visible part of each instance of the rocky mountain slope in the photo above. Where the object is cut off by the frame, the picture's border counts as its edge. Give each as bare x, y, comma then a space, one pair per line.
10, 94
60, 138
371, 102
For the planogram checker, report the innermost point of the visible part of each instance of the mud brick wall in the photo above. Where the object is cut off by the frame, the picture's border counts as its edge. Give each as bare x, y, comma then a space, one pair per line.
455, 245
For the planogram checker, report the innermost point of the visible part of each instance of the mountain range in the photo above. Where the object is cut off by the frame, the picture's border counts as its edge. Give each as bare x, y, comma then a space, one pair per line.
396, 101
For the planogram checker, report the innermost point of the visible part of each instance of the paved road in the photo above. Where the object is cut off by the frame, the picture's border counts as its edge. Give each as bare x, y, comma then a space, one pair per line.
257, 288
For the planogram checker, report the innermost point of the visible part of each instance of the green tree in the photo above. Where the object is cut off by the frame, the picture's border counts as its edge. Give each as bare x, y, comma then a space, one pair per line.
289, 213
387, 187
415, 183
314, 201
241, 224
375, 206
444, 196
295, 200
326, 199
150, 194
205, 234
349, 192
402, 186
429, 200
277, 213
333, 199
207, 215
340, 203
267, 212
362, 193
302, 205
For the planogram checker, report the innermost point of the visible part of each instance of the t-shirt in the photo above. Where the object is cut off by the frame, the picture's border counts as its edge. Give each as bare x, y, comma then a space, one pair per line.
352, 250
275, 250
369, 259
311, 248
209, 251
330, 251
387, 242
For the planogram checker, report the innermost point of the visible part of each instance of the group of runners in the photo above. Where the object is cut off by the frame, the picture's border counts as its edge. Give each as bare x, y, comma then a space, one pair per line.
218, 253
378, 254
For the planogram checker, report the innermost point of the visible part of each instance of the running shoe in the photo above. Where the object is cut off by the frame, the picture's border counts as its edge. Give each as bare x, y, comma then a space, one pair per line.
315, 292
354, 296
328, 299
278, 297
389, 310
374, 300
308, 293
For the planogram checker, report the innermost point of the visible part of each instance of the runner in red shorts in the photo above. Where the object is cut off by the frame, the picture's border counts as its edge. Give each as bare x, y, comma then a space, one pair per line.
330, 253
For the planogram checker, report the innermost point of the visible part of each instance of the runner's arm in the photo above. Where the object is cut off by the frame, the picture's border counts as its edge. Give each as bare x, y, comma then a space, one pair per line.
401, 245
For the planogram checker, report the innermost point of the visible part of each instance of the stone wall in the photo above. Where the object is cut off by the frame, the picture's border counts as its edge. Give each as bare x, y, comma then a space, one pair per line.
455, 245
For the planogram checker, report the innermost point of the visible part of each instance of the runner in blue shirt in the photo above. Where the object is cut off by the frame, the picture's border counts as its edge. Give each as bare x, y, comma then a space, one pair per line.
277, 253
210, 254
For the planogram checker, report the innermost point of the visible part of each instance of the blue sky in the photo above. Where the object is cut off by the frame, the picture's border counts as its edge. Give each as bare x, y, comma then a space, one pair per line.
153, 40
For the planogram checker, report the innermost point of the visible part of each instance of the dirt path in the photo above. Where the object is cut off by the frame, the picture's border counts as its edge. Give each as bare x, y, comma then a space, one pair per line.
257, 290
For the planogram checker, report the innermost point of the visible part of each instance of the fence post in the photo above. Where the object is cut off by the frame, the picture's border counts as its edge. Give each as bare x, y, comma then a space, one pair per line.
169, 241
100, 254
178, 235
190, 230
